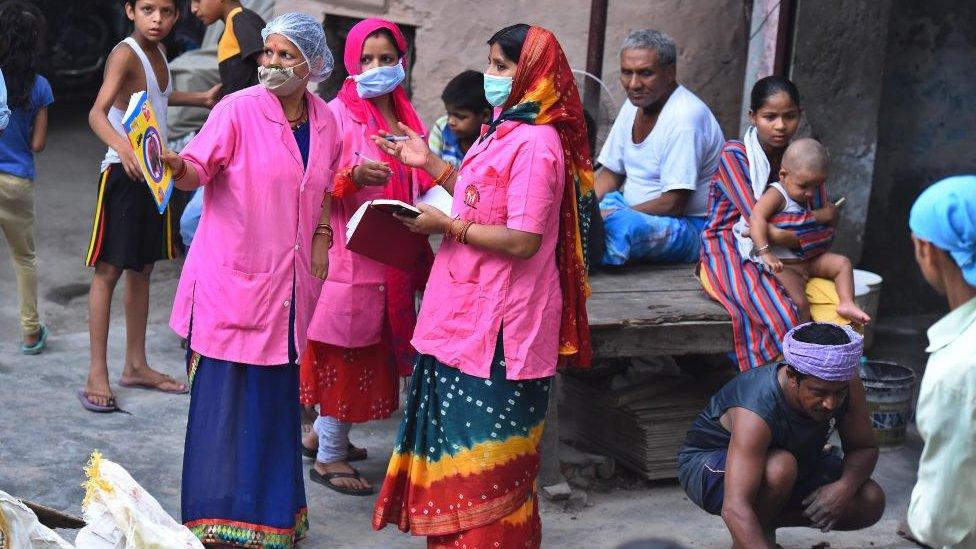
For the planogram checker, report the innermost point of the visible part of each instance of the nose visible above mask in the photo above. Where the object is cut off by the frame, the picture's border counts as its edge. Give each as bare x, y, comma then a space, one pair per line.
497, 89
280, 80
379, 80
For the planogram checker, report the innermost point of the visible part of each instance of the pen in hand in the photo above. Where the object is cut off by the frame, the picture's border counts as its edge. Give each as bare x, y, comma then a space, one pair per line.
395, 138
367, 159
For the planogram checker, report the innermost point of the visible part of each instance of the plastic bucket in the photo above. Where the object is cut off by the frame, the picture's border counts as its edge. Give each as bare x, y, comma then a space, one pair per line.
867, 294
889, 388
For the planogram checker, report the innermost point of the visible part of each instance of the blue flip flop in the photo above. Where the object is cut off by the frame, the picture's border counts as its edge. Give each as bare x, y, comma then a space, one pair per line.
37, 347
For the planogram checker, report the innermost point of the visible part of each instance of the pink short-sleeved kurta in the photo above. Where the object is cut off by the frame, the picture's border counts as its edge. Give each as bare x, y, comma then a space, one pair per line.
352, 304
514, 178
255, 233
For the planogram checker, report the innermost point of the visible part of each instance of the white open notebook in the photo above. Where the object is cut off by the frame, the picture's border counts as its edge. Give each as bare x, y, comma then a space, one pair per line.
436, 197
384, 204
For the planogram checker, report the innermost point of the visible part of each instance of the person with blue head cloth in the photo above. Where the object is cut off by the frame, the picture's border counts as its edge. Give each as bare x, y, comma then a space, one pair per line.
942, 510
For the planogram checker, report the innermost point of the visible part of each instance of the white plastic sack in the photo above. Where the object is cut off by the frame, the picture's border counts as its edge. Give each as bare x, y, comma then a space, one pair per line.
20, 529
122, 515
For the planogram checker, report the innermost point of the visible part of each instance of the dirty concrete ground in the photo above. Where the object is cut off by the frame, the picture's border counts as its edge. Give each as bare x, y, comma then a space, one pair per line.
45, 436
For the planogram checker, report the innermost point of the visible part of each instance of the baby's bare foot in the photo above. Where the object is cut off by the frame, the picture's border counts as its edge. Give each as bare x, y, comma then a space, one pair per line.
852, 312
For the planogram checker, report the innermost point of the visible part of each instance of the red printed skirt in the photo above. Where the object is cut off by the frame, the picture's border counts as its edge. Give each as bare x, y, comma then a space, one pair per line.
353, 385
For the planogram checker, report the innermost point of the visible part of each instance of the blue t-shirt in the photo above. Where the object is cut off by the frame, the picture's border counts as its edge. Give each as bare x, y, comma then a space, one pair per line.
16, 157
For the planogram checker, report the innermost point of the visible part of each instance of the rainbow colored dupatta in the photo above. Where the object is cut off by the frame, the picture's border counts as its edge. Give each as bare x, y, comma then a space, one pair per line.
544, 92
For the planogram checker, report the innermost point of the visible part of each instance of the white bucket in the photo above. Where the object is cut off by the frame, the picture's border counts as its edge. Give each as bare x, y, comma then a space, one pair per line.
867, 294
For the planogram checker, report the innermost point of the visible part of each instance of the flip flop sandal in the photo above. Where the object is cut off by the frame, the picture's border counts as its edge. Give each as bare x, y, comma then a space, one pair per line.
155, 386
92, 407
38, 346
353, 453
325, 480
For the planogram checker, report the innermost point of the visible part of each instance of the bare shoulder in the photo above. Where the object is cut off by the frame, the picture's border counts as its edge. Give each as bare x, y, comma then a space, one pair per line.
744, 424
121, 58
123, 71
770, 201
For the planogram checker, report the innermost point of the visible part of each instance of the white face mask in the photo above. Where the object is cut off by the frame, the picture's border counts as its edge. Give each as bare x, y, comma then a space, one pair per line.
280, 80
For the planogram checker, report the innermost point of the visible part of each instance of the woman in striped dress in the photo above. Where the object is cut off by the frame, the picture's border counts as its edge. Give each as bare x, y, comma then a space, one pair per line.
761, 311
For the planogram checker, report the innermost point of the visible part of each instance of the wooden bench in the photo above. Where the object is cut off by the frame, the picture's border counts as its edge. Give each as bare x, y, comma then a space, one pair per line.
655, 310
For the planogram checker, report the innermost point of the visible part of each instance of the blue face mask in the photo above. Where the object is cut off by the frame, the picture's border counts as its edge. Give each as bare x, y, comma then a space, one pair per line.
379, 80
497, 89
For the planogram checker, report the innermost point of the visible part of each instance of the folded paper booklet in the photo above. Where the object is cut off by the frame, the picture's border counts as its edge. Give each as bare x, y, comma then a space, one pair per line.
375, 233
142, 129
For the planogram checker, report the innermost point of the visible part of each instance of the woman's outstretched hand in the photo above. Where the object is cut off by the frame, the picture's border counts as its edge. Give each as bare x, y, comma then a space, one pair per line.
413, 152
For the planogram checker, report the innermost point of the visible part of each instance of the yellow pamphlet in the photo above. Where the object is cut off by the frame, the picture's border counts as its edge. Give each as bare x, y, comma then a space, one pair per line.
140, 124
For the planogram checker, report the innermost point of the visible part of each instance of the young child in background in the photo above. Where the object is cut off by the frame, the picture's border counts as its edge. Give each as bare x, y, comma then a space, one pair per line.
238, 50
129, 234
467, 109
240, 44
803, 170
28, 97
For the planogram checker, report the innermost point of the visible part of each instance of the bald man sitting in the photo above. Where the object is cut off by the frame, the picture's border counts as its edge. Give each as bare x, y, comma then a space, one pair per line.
802, 173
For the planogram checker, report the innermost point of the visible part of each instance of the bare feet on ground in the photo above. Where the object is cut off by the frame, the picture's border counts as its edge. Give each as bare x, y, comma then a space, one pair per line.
147, 377
344, 482
98, 391
852, 312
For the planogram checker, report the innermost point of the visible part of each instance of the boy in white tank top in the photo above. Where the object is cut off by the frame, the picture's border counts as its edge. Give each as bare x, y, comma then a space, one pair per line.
803, 170
128, 232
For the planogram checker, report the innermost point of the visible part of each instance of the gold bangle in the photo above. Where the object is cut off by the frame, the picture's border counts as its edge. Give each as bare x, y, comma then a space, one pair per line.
463, 235
445, 175
454, 229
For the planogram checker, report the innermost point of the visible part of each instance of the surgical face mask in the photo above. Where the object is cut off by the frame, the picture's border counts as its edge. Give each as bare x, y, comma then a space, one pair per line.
497, 89
280, 80
379, 80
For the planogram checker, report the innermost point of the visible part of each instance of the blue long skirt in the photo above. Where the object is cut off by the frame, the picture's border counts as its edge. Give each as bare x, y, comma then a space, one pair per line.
242, 468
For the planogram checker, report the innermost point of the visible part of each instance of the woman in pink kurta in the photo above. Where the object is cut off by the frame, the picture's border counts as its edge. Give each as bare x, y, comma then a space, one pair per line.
359, 337
266, 158
492, 327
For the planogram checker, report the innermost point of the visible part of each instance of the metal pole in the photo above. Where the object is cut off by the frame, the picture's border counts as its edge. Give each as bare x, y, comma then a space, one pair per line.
784, 38
594, 55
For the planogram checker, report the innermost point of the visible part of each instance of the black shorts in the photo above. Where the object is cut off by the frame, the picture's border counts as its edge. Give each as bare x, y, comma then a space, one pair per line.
709, 475
128, 231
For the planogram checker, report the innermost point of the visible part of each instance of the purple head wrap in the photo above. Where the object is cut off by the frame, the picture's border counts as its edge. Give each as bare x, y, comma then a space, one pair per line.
827, 362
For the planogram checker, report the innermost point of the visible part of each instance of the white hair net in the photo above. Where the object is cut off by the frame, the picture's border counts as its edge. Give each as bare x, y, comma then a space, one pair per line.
309, 37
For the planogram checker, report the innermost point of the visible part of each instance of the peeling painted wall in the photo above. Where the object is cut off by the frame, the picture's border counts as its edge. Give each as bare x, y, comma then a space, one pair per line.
838, 63
451, 37
926, 131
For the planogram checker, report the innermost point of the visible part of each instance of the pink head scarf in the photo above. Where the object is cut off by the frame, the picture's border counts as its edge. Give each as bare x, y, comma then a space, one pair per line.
357, 37
366, 112
405, 182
